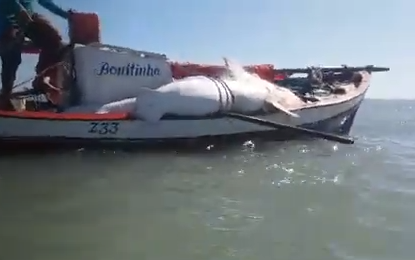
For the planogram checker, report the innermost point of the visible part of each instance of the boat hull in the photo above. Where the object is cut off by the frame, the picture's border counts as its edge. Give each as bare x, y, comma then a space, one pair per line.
25, 132
340, 124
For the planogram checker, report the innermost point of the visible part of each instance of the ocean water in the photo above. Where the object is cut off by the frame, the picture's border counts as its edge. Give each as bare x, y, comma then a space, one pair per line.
308, 200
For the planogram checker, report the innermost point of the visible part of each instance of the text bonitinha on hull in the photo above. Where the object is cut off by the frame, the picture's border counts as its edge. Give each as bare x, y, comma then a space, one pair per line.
131, 69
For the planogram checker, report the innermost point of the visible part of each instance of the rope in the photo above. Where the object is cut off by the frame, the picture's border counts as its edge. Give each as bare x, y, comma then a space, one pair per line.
39, 74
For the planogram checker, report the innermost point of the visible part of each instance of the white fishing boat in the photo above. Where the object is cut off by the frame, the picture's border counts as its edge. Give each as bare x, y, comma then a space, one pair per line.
323, 104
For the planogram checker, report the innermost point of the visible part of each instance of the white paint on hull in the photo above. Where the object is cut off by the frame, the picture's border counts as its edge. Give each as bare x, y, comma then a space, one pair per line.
135, 129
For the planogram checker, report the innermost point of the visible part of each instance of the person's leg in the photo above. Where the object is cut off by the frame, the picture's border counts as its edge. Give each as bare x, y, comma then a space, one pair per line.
47, 38
11, 58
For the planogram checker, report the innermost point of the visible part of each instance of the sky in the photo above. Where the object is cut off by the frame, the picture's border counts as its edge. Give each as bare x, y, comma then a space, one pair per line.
290, 33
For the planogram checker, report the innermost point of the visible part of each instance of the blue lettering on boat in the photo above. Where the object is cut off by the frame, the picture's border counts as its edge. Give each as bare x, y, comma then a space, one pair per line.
131, 69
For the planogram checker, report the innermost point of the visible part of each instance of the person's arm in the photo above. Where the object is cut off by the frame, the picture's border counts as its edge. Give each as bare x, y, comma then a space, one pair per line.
10, 7
53, 8
12, 11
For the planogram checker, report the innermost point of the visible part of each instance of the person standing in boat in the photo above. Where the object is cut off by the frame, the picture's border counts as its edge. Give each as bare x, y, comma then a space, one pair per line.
17, 21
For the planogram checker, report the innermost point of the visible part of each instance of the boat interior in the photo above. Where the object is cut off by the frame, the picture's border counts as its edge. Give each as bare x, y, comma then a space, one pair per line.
310, 85
313, 83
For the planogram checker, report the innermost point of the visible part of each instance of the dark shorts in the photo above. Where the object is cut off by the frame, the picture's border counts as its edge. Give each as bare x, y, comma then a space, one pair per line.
11, 58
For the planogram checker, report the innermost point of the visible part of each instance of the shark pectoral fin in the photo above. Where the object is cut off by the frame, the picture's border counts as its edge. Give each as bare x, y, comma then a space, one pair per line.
280, 107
